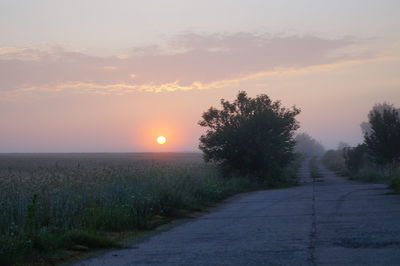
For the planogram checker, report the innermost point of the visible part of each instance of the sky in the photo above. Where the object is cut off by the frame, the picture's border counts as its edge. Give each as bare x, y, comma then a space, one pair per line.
111, 76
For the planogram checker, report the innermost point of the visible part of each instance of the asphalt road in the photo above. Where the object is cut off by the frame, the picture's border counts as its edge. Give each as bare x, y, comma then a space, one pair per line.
329, 222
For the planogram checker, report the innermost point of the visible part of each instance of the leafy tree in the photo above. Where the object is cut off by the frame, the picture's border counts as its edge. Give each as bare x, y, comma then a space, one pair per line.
383, 137
250, 136
366, 126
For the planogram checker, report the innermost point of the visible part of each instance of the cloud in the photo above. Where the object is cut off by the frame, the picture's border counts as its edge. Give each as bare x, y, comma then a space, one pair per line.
191, 61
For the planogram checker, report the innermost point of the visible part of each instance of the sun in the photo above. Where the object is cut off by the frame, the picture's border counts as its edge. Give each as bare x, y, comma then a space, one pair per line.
161, 139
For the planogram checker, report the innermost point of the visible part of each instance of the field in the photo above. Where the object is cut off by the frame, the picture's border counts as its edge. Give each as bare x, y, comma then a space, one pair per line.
73, 201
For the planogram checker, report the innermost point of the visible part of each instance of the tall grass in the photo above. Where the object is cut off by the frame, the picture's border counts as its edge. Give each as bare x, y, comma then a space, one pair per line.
53, 207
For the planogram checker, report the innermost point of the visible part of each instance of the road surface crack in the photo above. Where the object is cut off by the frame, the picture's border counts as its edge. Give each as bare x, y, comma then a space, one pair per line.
313, 231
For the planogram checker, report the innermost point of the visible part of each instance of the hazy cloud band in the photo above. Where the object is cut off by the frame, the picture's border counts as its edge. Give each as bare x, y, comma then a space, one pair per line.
192, 61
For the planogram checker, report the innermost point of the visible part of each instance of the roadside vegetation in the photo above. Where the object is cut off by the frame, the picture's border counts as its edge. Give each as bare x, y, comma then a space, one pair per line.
55, 208
314, 170
377, 159
76, 208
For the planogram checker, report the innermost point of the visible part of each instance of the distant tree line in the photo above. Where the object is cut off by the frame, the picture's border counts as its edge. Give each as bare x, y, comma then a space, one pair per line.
308, 146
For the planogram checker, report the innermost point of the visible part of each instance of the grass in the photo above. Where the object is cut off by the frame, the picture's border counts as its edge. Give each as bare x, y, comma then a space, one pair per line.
376, 176
369, 176
75, 203
314, 170
365, 175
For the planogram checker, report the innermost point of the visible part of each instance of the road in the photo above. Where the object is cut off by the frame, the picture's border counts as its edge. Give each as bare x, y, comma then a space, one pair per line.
330, 222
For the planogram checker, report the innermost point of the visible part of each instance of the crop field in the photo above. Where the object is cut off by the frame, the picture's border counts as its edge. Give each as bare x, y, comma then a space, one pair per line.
68, 201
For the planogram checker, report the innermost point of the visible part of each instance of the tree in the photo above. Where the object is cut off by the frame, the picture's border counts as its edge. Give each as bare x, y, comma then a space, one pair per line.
356, 158
383, 137
250, 136
307, 145
366, 126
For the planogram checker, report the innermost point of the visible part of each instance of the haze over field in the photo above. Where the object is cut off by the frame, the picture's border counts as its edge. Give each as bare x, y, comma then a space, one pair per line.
111, 76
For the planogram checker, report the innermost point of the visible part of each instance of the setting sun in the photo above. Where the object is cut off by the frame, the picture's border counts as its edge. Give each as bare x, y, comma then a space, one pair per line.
161, 139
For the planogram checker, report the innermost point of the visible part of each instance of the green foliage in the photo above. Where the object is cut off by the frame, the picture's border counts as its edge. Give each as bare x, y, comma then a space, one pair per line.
289, 175
356, 158
383, 138
250, 136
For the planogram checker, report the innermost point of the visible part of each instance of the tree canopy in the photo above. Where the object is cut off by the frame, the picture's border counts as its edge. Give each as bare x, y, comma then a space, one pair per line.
356, 158
250, 136
383, 136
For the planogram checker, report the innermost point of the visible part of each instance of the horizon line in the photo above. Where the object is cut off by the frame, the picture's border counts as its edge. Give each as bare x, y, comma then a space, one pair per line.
97, 152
